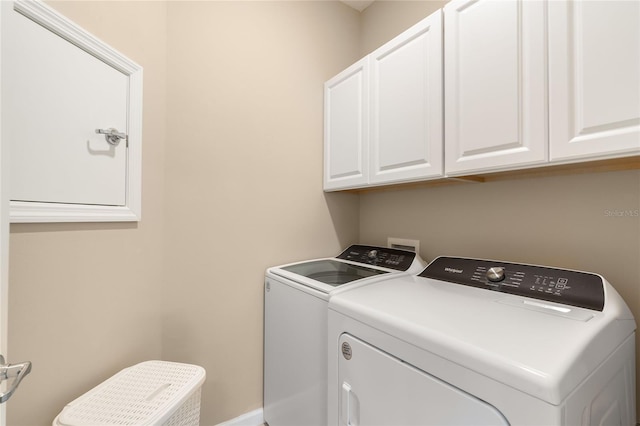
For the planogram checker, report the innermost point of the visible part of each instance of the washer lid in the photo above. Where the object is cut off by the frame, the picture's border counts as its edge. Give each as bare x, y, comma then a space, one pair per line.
355, 265
527, 346
332, 272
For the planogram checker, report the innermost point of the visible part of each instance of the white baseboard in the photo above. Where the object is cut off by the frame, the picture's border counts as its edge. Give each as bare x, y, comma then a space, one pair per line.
252, 418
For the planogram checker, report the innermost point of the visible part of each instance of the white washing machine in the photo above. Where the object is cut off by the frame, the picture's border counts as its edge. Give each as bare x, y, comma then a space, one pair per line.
479, 342
295, 326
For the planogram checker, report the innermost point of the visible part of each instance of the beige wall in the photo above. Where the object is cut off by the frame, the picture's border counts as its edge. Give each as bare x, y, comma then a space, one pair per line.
562, 221
232, 184
244, 176
384, 20
85, 300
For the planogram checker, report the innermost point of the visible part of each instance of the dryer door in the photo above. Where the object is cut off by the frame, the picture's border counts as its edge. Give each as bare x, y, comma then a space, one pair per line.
379, 389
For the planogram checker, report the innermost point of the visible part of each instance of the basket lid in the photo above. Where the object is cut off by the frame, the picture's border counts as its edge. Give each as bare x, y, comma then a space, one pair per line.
144, 394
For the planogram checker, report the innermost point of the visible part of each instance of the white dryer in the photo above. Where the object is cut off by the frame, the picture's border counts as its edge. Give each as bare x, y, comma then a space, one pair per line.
295, 326
479, 342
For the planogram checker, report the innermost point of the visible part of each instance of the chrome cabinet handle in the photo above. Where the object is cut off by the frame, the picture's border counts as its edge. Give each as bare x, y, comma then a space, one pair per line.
112, 135
15, 371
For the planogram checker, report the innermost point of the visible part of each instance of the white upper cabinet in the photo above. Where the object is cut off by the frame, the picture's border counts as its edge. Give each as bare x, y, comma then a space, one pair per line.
406, 105
495, 85
346, 128
594, 79
526, 83
383, 114
59, 86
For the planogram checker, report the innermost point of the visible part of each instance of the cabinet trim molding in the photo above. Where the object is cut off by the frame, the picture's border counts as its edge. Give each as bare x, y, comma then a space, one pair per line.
22, 212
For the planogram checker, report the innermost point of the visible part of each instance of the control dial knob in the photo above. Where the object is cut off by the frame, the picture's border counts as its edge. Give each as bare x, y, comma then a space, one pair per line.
495, 274
373, 254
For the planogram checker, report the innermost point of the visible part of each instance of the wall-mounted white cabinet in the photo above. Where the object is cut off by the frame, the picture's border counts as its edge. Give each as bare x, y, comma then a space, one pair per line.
59, 86
346, 128
406, 105
594, 79
495, 85
383, 115
526, 84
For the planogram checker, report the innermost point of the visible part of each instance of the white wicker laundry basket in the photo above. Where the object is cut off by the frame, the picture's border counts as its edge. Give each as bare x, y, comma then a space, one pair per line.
150, 393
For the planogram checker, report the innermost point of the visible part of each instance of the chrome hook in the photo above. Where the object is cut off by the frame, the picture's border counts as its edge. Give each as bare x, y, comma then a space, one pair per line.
111, 135
15, 371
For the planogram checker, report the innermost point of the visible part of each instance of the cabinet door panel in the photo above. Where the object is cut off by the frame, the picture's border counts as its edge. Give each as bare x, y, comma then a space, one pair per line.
495, 68
594, 77
55, 95
346, 128
487, 92
406, 98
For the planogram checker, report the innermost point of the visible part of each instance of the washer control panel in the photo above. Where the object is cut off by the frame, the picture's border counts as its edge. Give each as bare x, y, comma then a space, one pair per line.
573, 288
399, 260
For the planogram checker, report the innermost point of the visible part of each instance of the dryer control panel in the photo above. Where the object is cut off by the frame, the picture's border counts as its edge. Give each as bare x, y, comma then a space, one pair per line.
568, 287
399, 260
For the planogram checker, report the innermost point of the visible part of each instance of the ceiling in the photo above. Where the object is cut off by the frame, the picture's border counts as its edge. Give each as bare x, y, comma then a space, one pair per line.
358, 5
